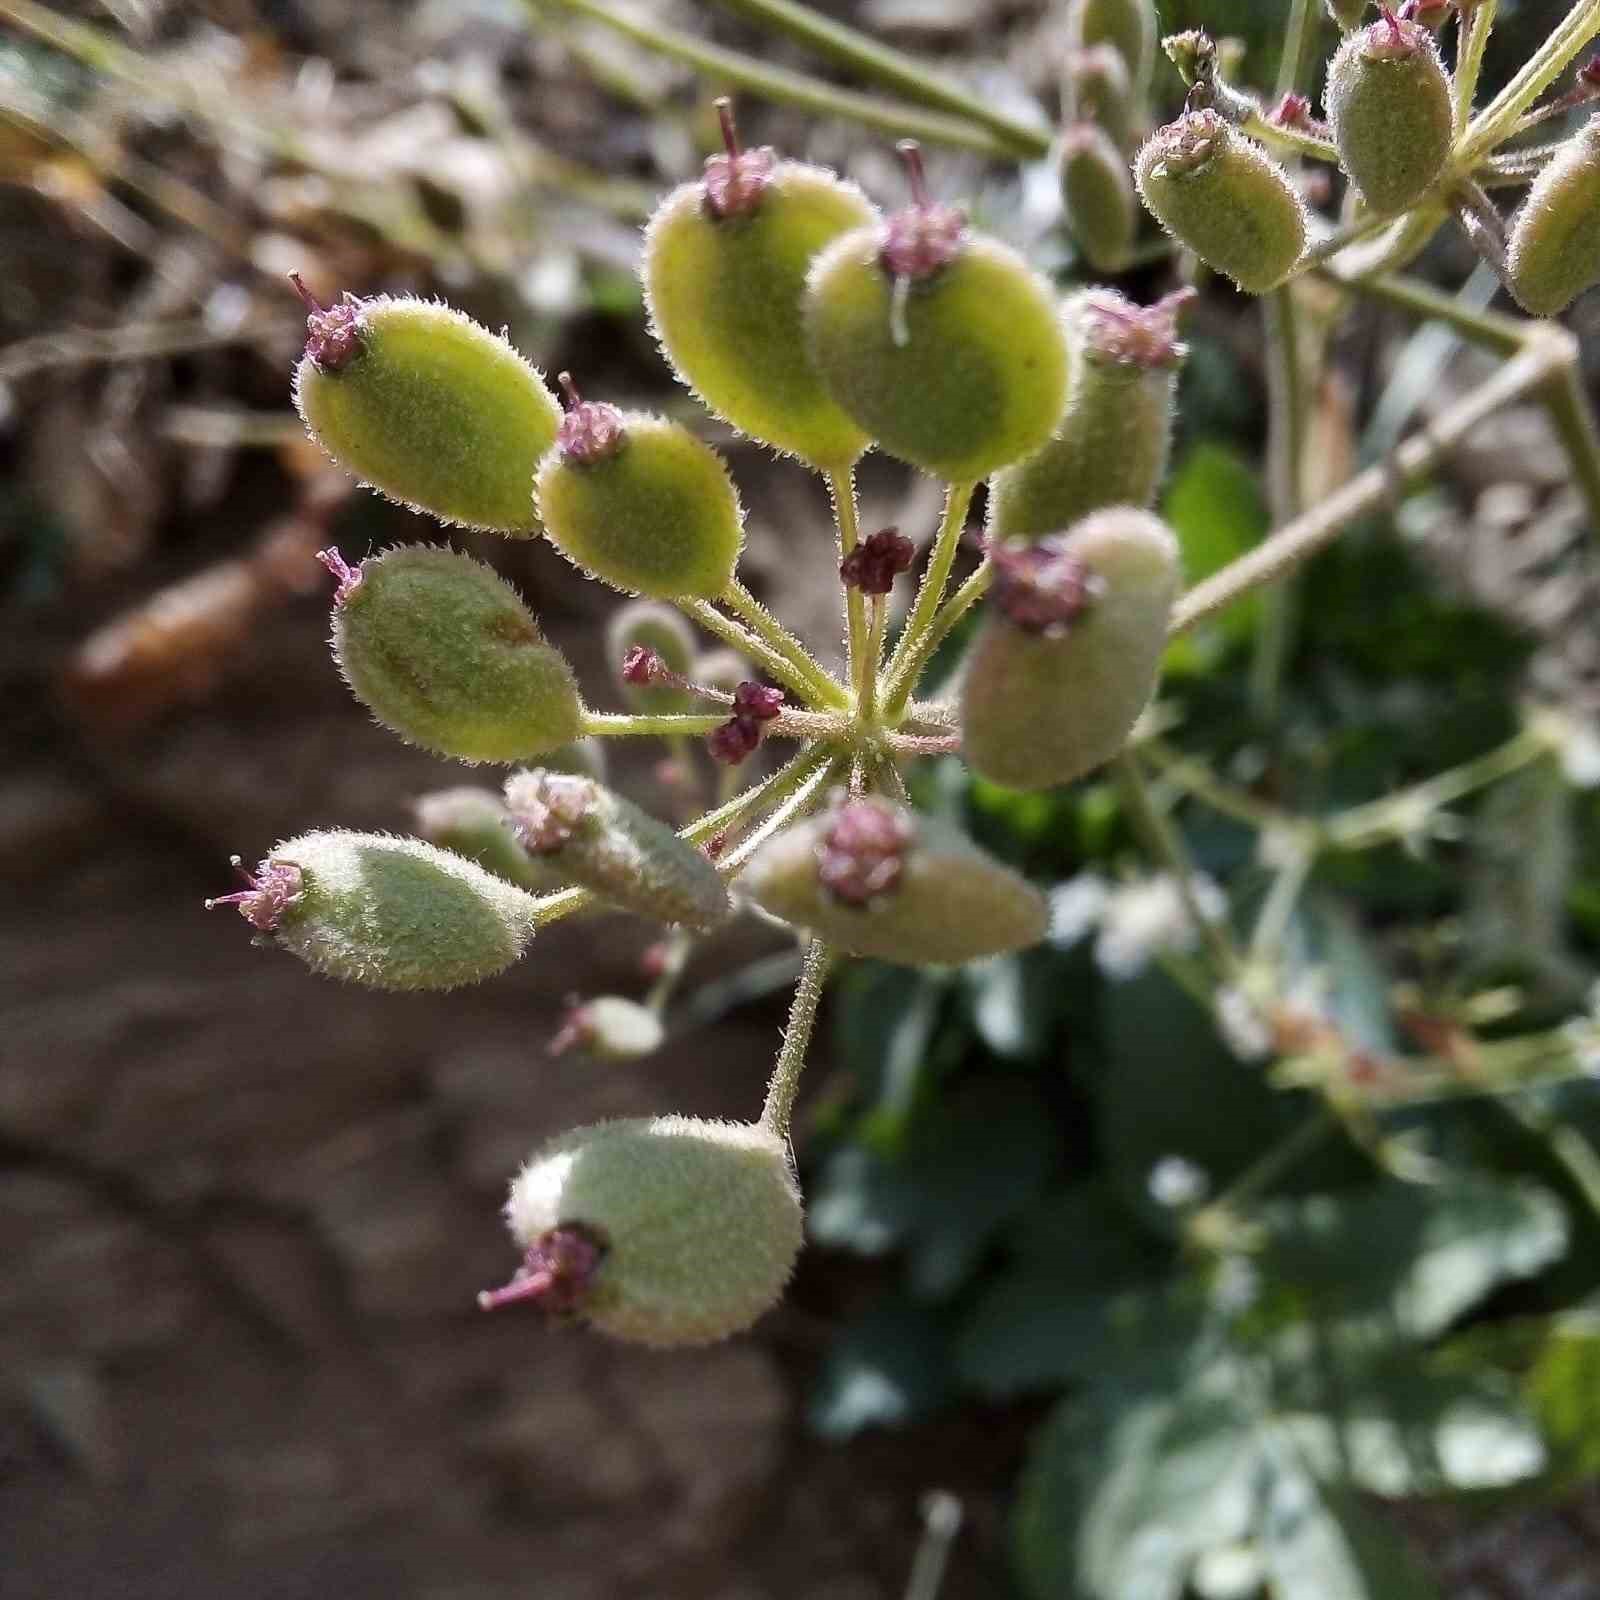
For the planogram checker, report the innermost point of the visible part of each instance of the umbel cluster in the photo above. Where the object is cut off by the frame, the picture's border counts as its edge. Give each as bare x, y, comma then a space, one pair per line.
810, 321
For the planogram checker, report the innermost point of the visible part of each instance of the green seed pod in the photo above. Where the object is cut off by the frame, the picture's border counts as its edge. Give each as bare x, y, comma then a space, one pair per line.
1097, 191
724, 273
661, 1231
1111, 448
1388, 103
427, 407
594, 837
649, 625
441, 650
946, 347
877, 879
1225, 198
1070, 649
387, 913
640, 503
474, 823
1554, 252
1097, 88
1346, 14
1127, 25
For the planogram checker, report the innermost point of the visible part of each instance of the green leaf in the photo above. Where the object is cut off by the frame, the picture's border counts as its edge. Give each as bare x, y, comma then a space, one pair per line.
1563, 1388
885, 1019
1015, 1001
1420, 1256
886, 1369
1320, 1544
1123, 1492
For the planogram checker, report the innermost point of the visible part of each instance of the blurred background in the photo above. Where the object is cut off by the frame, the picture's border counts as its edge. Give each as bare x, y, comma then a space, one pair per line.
243, 1213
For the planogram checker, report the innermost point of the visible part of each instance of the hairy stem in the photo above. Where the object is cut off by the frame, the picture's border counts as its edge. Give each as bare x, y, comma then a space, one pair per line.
784, 87
1471, 40
668, 724
957, 498
1498, 119
802, 796
878, 63
778, 638
1547, 351
1216, 1219
774, 664
1294, 45
863, 669
904, 682
786, 1070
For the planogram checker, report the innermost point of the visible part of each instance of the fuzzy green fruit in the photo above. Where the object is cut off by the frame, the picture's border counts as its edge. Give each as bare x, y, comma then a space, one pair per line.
1070, 649
958, 371
1129, 26
1221, 195
442, 651
660, 629
1111, 448
1554, 253
1097, 192
1389, 108
427, 407
696, 1224
387, 913
877, 879
474, 823
1097, 89
641, 504
724, 282
597, 838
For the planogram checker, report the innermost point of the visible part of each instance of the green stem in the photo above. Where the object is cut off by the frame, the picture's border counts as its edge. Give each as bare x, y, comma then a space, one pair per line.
775, 665
786, 1070
878, 63
1275, 1165
877, 621
1499, 118
862, 666
1490, 328
1294, 45
899, 676
1272, 924
802, 796
1286, 444
666, 724
1295, 140
778, 638
1469, 59
904, 683
1196, 778
1567, 401
780, 85
1164, 842
1394, 815
1546, 351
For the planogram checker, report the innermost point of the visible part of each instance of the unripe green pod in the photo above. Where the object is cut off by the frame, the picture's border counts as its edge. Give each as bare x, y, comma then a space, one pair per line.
387, 913
1389, 108
1070, 649
946, 347
442, 651
594, 837
648, 508
474, 823
724, 273
427, 407
1111, 448
1098, 89
1097, 191
877, 879
696, 1225
660, 629
1225, 198
1554, 252
1128, 25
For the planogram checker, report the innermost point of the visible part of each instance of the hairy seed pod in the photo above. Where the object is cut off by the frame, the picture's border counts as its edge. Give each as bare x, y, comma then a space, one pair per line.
1225, 198
1554, 252
442, 651
724, 272
641, 504
1097, 191
387, 913
427, 407
1388, 104
1111, 448
1069, 650
1346, 14
474, 823
594, 837
694, 1227
878, 879
946, 347
1129, 26
1098, 89
661, 630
